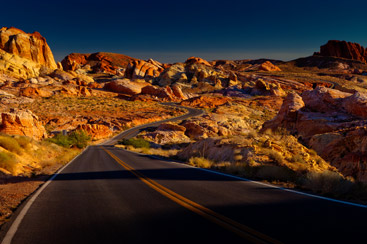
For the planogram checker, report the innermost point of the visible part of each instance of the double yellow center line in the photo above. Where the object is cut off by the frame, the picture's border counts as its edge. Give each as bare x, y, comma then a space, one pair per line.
227, 223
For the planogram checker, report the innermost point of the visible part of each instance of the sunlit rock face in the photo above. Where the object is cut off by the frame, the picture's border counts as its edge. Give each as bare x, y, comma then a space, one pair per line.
343, 49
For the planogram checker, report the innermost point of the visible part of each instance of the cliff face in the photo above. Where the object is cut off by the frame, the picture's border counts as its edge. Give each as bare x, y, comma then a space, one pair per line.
29, 46
343, 49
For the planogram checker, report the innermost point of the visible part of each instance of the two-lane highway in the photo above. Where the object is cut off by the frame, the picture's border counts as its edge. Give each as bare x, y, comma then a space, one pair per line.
109, 195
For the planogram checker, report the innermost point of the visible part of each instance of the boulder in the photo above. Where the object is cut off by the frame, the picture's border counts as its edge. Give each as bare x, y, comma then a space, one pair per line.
22, 122
171, 127
35, 92
194, 130
176, 89
264, 88
268, 66
62, 75
356, 104
126, 86
140, 69
287, 115
324, 99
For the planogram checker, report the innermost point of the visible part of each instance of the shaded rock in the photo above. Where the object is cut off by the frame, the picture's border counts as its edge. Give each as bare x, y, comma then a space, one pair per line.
324, 99
171, 127
356, 105
194, 130
22, 122
287, 115
62, 75
205, 101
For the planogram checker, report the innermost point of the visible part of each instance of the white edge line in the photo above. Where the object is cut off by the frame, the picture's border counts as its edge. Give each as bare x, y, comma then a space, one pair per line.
259, 183
15, 225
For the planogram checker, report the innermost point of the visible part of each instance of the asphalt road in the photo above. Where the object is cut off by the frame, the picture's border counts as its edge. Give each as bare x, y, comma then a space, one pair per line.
109, 195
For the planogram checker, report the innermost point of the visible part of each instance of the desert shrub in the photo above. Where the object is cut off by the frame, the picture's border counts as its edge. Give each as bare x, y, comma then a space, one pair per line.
273, 155
200, 162
275, 173
10, 144
7, 161
61, 140
135, 142
23, 141
328, 182
298, 159
77, 139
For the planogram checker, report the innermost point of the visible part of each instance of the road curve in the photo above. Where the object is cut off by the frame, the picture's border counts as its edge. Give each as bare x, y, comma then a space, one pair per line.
191, 112
109, 195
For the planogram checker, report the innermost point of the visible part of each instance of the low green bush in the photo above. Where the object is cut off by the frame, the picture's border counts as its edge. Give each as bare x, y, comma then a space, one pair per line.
77, 139
135, 142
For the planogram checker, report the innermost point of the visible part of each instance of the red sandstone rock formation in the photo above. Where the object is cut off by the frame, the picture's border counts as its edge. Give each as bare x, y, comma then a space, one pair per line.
96, 131
126, 86
35, 92
268, 66
99, 62
196, 60
205, 102
140, 69
343, 49
22, 122
29, 46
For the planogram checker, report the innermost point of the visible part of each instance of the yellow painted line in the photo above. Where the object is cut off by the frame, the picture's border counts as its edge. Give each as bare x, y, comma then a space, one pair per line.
229, 224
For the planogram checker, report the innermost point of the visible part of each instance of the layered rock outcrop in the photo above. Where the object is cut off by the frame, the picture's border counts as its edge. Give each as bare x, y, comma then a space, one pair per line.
22, 122
126, 86
268, 66
140, 69
23, 55
96, 131
343, 49
101, 62
29, 46
332, 123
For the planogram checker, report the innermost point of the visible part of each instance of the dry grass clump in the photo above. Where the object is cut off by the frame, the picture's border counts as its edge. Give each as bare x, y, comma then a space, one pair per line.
201, 162
23, 156
8, 162
329, 183
10, 144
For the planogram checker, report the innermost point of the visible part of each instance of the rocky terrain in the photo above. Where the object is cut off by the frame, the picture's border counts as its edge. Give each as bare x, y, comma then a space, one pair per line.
300, 123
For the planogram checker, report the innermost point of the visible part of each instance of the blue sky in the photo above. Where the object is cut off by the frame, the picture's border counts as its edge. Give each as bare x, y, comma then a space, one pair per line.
171, 31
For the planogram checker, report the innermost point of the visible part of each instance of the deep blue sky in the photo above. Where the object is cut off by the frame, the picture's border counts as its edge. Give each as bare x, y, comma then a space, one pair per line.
171, 31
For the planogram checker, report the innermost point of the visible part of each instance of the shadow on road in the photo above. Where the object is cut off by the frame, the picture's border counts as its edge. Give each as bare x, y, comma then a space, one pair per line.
176, 174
